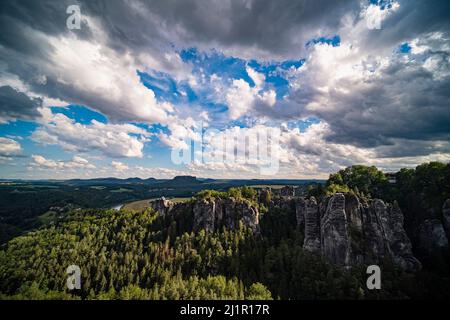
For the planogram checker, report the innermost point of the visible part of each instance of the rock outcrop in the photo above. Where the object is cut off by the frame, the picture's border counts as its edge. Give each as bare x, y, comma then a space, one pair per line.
446, 217
162, 205
334, 233
309, 208
300, 205
213, 213
265, 196
343, 228
432, 235
399, 245
287, 191
348, 231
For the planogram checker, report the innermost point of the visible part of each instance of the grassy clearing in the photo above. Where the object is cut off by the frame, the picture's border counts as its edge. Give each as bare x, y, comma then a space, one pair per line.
144, 204
272, 186
121, 190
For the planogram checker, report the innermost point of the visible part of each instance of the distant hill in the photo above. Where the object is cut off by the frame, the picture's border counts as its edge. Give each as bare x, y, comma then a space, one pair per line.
176, 181
184, 180
109, 181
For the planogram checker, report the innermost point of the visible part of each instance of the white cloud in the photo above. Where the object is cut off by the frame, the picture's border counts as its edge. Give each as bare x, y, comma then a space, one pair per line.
258, 78
371, 98
241, 98
76, 163
119, 166
182, 131
373, 15
300, 154
122, 170
104, 80
9, 148
115, 140
89, 72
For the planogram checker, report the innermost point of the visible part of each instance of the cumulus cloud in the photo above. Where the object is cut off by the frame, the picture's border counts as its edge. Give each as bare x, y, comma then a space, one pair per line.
9, 148
181, 132
77, 162
295, 153
114, 140
17, 105
376, 104
241, 97
372, 100
122, 170
119, 166
370, 96
79, 69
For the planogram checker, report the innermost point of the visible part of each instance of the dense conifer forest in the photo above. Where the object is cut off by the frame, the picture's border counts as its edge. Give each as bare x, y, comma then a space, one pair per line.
145, 255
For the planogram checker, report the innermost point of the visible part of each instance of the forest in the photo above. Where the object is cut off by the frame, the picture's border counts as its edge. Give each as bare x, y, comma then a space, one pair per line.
22, 203
144, 255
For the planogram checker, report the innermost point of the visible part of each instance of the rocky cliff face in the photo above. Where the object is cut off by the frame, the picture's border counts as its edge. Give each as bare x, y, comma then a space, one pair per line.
343, 228
432, 235
212, 214
162, 206
308, 218
446, 217
349, 231
431, 228
334, 231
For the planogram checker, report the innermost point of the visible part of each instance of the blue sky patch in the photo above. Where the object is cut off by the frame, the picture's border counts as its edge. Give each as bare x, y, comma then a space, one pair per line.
17, 128
383, 4
335, 41
80, 114
404, 48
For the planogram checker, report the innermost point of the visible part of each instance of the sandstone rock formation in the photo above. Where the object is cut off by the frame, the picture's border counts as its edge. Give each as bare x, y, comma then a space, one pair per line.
309, 209
347, 231
446, 217
343, 228
300, 206
334, 233
162, 205
211, 214
432, 235
264, 195
287, 191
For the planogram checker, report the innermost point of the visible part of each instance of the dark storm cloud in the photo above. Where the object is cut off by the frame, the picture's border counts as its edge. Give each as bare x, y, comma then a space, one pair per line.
402, 111
17, 105
405, 101
275, 27
412, 19
264, 26
271, 28
411, 148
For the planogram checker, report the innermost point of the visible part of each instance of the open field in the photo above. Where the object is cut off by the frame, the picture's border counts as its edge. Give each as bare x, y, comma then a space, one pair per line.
137, 205
121, 190
144, 204
272, 186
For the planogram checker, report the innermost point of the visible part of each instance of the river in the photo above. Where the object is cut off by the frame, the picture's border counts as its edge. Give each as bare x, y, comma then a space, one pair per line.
117, 207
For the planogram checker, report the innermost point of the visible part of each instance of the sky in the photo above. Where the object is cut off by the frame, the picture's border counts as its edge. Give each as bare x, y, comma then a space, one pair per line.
331, 83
